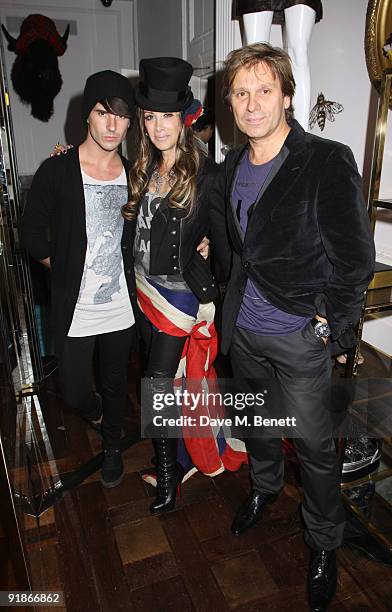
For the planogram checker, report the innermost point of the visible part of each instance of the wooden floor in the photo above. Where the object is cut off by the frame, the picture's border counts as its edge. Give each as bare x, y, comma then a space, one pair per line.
106, 552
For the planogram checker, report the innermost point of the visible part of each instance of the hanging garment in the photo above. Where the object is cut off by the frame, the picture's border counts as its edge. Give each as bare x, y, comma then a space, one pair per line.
278, 6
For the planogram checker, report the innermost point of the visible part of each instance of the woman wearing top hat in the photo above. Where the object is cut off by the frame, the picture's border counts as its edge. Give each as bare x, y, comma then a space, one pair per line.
169, 185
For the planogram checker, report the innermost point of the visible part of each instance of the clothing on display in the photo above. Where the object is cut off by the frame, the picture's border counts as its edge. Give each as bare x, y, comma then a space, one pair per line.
278, 6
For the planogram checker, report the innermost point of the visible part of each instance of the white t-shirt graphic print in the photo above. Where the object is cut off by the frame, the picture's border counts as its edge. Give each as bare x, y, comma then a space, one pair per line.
103, 304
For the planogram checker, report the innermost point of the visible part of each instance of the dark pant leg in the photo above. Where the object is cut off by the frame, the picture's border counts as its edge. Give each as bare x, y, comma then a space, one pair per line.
303, 369
113, 354
76, 376
322, 508
145, 333
266, 456
163, 352
302, 366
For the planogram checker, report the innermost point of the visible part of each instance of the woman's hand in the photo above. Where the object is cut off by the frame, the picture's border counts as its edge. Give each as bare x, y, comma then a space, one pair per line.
204, 247
59, 149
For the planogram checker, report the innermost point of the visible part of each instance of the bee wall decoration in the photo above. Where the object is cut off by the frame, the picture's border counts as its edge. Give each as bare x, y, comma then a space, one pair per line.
323, 110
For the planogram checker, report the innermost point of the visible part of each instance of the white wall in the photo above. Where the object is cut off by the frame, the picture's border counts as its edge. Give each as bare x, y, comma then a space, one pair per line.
183, 28
102, 38
198, 43
198, 35
178, 28
338, 68
160, 28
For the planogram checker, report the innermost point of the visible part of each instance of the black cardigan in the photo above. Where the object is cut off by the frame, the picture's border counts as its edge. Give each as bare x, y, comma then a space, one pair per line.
55, 207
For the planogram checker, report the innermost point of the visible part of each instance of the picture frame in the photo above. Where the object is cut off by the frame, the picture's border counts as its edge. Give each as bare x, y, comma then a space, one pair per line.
377, 33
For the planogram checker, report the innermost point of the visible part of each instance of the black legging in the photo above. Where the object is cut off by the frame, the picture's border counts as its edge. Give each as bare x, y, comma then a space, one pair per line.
162, 352
76, 375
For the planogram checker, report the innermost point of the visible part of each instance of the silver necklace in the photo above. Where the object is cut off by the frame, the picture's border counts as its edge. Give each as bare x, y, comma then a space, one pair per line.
160, 179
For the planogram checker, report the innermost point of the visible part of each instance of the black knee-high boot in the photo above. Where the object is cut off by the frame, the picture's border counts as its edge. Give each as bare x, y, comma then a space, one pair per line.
169, 474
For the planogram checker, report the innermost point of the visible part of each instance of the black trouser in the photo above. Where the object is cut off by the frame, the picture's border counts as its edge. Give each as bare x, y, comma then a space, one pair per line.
162, 353
76, 376
302, 367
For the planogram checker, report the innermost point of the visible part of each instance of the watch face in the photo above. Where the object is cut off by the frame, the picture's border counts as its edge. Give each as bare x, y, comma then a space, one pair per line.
322, 330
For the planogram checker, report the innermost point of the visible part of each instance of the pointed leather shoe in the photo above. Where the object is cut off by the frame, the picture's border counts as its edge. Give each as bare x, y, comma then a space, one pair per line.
322, 579
250, 512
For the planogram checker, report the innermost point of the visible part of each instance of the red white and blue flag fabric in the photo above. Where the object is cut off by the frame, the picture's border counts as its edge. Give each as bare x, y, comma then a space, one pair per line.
212, 453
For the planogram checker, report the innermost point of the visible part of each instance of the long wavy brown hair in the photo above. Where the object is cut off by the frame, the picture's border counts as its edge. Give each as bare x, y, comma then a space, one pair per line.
186, 166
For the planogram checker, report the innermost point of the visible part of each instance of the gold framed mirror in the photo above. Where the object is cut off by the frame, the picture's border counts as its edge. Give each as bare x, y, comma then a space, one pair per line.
378, 40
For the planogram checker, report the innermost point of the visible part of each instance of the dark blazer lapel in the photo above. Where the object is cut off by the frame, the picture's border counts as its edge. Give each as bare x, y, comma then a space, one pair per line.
233, 225
285, 178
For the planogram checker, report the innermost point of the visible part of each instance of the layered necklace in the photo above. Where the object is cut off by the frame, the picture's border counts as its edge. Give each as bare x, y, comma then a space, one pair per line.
160, 180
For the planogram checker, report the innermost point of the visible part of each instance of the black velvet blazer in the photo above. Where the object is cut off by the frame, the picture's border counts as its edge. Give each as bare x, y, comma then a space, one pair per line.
54, 225
308, 246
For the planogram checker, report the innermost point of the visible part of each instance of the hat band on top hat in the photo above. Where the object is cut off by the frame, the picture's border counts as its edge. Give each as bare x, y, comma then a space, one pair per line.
161, 96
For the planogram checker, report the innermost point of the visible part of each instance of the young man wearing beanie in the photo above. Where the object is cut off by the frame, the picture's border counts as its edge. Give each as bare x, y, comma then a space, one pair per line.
76, 199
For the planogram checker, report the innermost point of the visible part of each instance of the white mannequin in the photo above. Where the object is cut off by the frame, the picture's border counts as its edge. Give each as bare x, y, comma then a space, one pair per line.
299, 20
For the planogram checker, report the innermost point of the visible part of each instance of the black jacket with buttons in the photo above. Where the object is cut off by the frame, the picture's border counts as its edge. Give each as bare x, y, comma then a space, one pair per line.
56, 208
174, 236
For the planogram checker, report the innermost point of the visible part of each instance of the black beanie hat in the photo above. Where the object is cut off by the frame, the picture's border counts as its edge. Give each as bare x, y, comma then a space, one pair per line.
106, 84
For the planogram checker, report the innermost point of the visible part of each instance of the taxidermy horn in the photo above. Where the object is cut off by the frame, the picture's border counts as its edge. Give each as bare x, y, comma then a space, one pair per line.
11, 39
64, 37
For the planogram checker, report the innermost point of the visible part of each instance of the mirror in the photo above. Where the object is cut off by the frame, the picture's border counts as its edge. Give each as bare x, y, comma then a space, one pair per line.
24, 445
378, 40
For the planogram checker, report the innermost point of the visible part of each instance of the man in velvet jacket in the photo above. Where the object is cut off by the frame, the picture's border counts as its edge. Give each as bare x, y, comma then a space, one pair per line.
302, 257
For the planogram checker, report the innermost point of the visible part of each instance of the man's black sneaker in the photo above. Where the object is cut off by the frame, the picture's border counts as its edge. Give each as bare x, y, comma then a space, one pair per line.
112, 468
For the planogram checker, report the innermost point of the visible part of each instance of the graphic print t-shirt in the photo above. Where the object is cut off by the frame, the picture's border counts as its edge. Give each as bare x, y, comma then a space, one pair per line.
148, 207
103, 304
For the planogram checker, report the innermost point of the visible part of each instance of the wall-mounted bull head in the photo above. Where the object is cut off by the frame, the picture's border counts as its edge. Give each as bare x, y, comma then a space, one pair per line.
35, 74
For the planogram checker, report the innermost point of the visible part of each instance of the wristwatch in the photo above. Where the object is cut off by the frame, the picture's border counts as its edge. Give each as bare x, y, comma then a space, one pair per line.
322, 330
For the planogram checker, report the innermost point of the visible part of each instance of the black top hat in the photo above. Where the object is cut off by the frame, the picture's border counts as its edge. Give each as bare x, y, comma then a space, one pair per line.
163, 84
